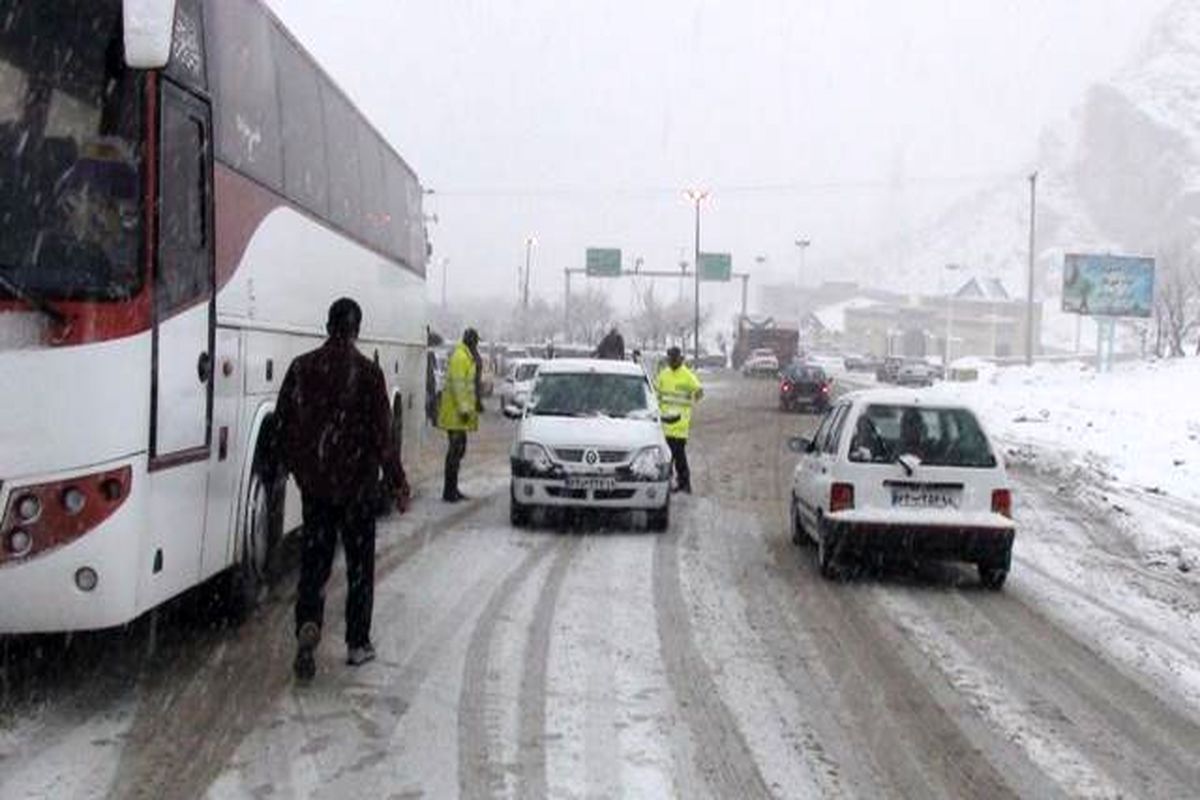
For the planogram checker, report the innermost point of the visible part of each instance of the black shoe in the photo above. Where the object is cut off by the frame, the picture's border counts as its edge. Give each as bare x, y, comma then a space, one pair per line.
305, 665
357, 656
454, 497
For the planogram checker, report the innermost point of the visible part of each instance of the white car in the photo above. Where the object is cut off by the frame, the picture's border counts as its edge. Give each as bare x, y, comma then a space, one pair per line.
591, 437
895, 472
761, 362
514, 389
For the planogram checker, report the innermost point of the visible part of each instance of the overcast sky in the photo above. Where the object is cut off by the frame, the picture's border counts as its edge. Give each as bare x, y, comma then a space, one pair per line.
580, 122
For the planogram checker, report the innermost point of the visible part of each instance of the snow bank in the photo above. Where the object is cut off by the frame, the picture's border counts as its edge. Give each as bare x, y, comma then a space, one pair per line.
1132, 434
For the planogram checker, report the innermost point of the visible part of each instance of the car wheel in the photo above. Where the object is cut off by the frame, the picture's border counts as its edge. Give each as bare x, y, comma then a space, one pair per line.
659, 519
827, 551
992, 574
799, 537
518, 513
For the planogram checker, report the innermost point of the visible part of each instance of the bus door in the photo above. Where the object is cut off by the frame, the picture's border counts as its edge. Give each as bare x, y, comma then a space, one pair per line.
184, 286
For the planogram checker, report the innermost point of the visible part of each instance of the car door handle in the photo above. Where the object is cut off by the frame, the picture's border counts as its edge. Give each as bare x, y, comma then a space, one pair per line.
204, 367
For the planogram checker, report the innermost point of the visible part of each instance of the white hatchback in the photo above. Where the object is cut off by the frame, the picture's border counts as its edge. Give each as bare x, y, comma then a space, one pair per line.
896, 472
591, 437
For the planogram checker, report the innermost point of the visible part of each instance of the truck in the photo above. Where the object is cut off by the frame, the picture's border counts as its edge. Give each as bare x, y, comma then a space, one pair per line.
752, 335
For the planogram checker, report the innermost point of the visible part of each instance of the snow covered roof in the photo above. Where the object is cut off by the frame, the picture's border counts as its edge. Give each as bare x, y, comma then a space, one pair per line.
983, 289
833, 317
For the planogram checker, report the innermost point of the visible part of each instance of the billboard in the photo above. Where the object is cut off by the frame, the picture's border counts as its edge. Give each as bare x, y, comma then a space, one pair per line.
1107, 285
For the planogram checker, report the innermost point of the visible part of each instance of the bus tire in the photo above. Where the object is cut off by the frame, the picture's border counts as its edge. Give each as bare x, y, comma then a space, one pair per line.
262, 529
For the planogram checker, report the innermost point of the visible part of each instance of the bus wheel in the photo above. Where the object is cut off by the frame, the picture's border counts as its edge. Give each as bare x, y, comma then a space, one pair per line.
262, 528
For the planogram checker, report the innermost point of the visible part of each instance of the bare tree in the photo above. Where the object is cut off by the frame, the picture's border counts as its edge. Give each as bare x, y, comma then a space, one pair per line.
1177, 300
591, 314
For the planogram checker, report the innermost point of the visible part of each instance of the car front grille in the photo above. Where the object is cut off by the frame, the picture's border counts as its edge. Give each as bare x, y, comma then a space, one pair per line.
575, 455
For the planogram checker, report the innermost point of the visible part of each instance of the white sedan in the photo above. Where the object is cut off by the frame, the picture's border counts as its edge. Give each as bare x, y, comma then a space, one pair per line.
761, 362
591, 437
893, 472
514, 389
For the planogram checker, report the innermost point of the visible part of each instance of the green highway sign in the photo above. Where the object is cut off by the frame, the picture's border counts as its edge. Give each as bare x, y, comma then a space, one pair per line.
716, 267
603, 262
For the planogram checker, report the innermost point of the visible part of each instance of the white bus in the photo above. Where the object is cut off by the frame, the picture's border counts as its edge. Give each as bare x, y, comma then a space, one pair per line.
171, 238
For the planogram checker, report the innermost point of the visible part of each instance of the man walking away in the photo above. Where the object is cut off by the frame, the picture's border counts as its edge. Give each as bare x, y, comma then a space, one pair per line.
678, 390
458, 413
335, 433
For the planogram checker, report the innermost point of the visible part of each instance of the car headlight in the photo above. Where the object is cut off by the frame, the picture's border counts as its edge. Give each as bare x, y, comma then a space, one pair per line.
651, 463
535, 456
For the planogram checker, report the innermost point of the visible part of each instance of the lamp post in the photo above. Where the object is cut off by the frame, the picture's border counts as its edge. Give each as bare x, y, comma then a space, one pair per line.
949, 321
802, 245
696, 196
530, 242
445, 270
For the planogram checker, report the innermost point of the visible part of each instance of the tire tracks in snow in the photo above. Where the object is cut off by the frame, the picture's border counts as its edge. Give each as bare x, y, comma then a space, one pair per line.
723, 758
531, 730
479, 769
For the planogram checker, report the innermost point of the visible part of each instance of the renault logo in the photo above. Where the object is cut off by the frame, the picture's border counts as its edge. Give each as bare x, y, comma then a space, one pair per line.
592, 458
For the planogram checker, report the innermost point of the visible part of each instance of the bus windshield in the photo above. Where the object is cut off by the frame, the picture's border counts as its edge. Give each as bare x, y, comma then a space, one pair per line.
69, 152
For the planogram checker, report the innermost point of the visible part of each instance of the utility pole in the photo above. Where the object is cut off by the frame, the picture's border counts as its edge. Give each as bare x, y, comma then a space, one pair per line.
530, 241
697, 196
567, 305
1029, 295
803, 245
445, 270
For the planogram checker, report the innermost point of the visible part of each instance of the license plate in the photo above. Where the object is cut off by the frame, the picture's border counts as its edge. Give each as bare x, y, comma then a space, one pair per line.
594, 484
919, 497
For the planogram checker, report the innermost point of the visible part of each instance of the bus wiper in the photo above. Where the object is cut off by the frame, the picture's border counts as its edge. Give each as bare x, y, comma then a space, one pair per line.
25, 295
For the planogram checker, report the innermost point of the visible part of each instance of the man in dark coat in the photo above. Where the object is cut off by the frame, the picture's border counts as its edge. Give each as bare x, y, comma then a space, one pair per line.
335, 434
612, 346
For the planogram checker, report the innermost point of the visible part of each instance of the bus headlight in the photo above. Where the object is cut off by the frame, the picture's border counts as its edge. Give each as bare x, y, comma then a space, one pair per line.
73, 500
19, 543
29, 508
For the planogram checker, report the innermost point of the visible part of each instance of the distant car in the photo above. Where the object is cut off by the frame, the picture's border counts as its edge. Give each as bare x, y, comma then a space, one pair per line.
804, 386
888, 368
892, 473
591, 437
861, 363
916, 373
761, 363
513, 391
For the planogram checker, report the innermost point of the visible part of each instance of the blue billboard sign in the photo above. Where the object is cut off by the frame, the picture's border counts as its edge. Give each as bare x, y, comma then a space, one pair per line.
1108, 286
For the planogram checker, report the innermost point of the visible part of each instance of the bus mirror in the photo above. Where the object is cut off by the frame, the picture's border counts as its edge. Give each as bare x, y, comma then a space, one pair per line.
148, 25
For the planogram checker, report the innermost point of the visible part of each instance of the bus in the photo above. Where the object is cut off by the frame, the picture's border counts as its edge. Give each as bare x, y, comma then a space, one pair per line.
173, 229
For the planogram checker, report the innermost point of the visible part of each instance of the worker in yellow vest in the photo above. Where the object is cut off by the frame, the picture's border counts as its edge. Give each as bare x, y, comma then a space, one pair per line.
458, 413
678, 390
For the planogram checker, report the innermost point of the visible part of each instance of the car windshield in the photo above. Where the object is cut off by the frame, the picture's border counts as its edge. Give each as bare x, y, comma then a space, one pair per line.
70, 116
586, 394
802, 374
944, 437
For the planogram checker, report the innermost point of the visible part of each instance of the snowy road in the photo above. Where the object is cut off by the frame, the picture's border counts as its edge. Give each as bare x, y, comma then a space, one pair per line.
711, 661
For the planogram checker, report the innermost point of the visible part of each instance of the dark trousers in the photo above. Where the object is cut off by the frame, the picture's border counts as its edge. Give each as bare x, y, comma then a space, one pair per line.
683, 475
324, 522
454, 455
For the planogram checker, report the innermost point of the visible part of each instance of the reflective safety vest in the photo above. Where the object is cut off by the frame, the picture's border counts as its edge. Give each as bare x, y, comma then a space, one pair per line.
458, 410
678, 390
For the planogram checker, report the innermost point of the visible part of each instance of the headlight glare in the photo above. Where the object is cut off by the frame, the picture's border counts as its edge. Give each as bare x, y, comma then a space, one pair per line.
650, 463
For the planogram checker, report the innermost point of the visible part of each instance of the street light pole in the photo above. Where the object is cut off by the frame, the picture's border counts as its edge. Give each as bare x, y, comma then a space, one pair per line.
803, 245
697, 196
1029, 295
530, 241
445, 270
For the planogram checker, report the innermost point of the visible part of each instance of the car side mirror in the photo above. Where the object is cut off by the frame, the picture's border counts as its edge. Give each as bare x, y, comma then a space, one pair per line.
512, 412
799, 444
